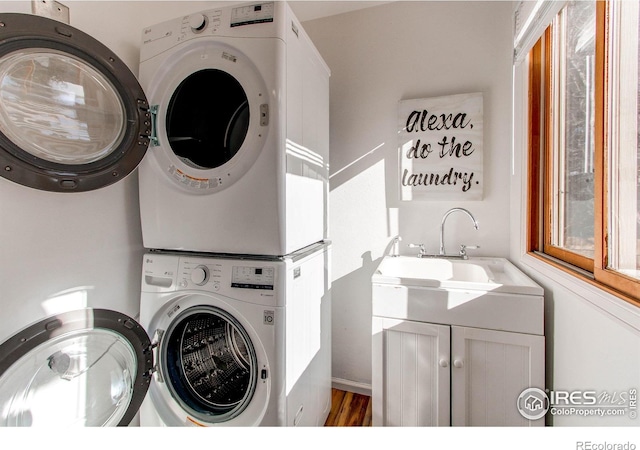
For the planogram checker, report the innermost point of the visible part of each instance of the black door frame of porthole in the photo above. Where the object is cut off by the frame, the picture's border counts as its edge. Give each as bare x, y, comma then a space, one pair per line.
88, 319
24, 31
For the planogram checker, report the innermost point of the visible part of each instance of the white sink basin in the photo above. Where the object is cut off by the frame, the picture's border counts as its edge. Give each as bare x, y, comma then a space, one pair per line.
484, 274
488, 293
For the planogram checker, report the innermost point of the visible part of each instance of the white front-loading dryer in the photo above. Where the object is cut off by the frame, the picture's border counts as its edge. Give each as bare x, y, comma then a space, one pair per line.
239, 151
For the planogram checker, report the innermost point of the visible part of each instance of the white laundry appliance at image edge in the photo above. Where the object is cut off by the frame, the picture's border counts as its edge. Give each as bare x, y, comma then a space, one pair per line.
234, 342
239, 153
239, 341
73, 120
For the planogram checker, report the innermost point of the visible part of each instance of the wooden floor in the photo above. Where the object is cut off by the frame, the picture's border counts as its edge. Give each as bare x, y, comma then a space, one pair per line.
349, 410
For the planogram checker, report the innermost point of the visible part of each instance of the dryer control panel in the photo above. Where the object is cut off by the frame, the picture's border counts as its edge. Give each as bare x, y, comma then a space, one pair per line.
256, 20
250, 14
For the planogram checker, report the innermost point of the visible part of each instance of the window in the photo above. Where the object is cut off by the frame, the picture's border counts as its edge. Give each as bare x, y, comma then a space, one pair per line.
584, 181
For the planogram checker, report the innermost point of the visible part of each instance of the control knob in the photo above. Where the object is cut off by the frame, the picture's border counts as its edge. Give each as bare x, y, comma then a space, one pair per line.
200, 275
197, 22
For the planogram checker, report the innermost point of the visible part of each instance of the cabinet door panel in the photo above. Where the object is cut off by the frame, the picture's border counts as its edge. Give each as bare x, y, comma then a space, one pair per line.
411, 385
490, 370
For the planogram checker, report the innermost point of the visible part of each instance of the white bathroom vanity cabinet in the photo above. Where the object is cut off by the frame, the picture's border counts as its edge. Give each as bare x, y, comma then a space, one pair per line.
454, 342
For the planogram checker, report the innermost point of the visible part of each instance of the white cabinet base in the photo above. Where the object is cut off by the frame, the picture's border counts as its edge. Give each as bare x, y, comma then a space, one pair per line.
411, 371
490, 370
437, 375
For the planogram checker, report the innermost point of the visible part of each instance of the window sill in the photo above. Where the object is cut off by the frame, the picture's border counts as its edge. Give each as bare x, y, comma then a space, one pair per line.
618, 307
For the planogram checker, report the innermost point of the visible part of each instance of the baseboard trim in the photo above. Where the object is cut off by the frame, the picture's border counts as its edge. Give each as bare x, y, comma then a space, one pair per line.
351, 386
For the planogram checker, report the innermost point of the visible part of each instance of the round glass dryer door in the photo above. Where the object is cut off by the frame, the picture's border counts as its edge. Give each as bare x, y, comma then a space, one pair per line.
210, 364
88, 367
72, 115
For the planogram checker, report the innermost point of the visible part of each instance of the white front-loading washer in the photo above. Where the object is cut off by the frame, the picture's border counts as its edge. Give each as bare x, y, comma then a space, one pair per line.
239, 151
222, 341
239, 341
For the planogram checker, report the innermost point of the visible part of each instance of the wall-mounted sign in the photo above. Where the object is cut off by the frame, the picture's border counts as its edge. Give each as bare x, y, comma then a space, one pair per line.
440, 148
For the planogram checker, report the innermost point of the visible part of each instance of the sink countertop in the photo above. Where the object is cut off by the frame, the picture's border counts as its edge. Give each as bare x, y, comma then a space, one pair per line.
475, 273
489, 293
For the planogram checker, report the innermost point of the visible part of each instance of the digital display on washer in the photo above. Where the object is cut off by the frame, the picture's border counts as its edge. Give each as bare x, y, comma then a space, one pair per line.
250, 14
253, 277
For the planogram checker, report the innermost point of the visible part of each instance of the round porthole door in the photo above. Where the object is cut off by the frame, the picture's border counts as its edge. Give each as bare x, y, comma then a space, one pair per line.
211, 109
89, 367
73, 117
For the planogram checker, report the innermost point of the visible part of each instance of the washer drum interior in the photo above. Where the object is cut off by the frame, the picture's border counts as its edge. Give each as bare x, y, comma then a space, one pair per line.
210, 364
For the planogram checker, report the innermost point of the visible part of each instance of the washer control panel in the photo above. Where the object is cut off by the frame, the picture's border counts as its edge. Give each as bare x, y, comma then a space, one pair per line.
247, 277
256, 281
253, 280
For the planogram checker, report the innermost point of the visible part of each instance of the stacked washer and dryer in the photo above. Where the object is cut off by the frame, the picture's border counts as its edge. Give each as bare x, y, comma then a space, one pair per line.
233, 198
231, 125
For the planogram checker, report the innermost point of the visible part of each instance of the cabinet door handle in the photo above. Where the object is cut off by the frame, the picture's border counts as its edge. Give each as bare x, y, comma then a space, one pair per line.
444, 363
458, 363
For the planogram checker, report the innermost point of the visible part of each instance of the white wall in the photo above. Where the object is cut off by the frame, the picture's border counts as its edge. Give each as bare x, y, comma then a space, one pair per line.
592, 338
379, 56
85, 245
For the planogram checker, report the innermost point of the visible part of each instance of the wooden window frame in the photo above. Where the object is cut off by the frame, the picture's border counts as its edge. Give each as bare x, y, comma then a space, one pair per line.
540, 173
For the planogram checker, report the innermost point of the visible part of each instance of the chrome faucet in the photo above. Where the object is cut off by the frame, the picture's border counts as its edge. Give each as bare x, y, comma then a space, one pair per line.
462, 254
395, 246
463, 248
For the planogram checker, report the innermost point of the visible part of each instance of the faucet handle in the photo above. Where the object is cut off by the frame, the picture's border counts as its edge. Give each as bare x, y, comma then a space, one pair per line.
463, 248
422, 250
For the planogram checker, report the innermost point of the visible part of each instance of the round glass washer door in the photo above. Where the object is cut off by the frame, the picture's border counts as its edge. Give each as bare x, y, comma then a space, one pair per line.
72, 115
87, 367
209, 364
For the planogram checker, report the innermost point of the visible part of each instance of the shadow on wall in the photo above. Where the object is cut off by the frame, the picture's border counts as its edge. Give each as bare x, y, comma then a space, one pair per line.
381, 152
355, 307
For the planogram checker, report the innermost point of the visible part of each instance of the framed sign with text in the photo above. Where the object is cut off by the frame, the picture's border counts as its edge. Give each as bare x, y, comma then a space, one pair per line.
440, 148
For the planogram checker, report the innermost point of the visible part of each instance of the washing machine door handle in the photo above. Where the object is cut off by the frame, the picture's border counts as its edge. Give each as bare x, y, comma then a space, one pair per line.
155, 343
154, 141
